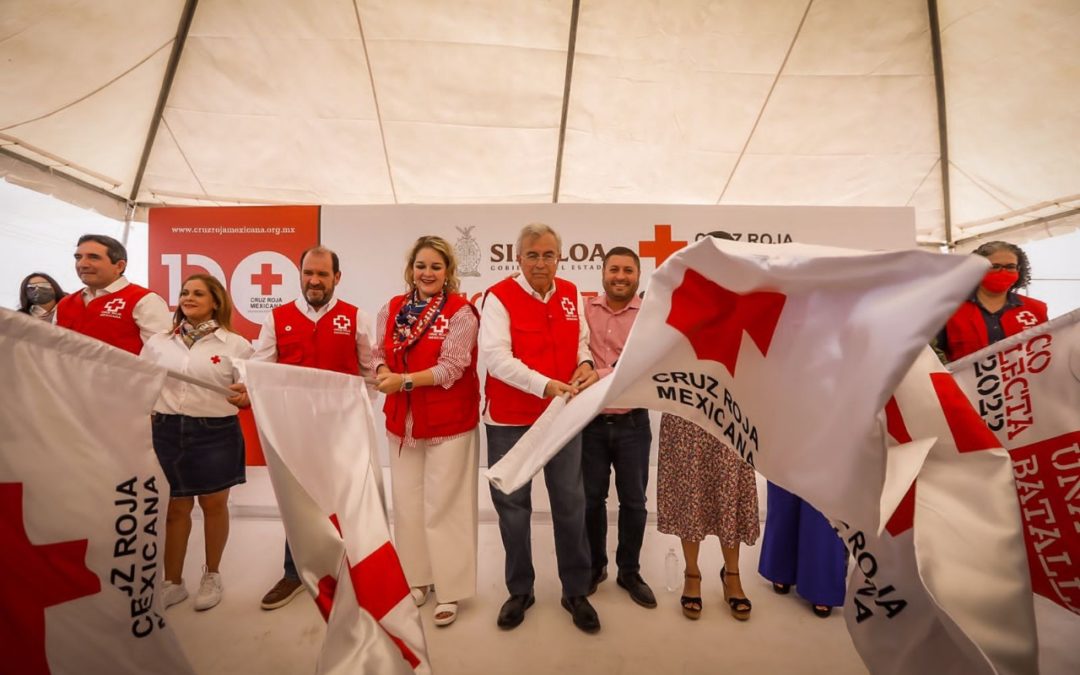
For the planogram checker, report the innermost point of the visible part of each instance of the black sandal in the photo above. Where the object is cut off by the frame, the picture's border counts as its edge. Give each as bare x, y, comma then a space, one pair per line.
822, 611
688, 602
740, 607
781, 589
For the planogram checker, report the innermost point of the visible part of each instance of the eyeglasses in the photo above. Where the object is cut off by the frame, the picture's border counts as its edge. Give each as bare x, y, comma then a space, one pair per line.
998, 267
533, 257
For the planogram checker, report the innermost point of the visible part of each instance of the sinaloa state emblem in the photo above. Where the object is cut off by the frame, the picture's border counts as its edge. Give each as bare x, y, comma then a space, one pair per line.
467, 251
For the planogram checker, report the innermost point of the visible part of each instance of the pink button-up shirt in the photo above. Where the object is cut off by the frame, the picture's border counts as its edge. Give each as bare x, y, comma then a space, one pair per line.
608, 330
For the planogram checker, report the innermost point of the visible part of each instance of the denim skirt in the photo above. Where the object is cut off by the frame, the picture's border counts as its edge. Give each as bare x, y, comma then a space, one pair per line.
199, 455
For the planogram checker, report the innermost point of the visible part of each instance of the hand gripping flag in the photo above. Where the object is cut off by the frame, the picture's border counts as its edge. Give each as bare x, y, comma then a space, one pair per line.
784, 352
943, 588
82, 507
317, 433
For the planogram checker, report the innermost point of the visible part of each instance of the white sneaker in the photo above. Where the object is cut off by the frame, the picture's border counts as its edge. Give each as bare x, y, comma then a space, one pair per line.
173, 593
210, 590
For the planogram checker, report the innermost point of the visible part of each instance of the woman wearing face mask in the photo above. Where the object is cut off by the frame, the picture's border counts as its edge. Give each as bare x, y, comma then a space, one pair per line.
995, 310
196, 433
425, 363
38, 295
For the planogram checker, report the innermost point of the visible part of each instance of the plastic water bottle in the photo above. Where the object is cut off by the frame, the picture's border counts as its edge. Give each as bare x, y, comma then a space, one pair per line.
671, 570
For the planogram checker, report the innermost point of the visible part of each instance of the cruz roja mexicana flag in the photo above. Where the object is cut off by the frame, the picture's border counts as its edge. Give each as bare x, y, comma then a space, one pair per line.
789, 354
784, 352
317, 433
82, 507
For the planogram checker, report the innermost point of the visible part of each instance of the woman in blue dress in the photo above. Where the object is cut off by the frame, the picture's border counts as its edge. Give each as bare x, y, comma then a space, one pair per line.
801, 549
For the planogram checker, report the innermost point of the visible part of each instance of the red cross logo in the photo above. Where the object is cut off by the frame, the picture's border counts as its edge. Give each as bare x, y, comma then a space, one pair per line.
215, 359
1026, 318
115, 305
440, 326
662, 247
713, 318
569, 308
33, 577
342, 324
266, 279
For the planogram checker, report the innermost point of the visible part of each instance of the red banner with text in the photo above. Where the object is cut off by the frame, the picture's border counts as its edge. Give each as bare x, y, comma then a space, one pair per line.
253, 250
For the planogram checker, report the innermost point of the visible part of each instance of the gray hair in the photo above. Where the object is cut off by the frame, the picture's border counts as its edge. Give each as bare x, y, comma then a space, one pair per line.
535, 231
1023, 265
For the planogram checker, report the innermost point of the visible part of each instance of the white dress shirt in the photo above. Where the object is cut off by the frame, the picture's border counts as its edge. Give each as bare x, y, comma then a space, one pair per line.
151, 314
497, 353
210, 359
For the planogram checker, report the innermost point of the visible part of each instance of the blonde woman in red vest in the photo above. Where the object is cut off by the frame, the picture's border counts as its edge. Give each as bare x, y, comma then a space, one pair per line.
196, 433
426, 365
995, 310
111, 308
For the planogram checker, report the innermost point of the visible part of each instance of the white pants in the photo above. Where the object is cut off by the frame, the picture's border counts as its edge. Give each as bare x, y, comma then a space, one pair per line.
435, 514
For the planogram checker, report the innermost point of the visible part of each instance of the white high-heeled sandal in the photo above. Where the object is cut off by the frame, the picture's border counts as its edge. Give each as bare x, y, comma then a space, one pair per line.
420, 594
447, 608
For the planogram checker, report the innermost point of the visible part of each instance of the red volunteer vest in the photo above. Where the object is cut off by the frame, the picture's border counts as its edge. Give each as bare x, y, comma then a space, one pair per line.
437, 412
543, 336
329, 344
109, 318
966, 330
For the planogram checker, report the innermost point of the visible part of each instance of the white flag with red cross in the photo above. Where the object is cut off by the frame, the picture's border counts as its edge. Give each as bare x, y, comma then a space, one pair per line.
943, 588
1027, 389
784, 352
82, 507
317, 432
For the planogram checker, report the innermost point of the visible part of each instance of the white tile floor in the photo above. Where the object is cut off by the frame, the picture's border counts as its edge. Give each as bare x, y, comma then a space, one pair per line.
781, 637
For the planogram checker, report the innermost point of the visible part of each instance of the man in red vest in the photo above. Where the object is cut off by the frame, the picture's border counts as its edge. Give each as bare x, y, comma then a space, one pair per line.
111, 308
317, 331
535, 342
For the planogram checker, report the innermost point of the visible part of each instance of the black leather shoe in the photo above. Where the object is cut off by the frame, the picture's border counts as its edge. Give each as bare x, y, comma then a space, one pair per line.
513, 610
637, 588
598, 577
584, 615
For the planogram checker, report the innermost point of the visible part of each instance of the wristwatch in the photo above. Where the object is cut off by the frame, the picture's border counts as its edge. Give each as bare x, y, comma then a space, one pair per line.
406, 382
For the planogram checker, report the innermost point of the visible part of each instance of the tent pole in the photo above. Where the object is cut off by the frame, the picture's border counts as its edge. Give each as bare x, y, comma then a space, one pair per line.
570, 50
943, 133
163, 96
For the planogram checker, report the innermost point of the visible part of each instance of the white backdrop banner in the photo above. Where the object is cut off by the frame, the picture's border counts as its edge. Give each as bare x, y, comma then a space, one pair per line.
372, 241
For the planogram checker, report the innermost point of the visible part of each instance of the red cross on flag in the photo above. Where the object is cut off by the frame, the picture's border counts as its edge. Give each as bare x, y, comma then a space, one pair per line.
784, 352
82, 507
317, 432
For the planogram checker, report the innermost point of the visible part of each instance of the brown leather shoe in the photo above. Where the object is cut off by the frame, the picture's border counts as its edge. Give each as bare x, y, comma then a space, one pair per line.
282, 593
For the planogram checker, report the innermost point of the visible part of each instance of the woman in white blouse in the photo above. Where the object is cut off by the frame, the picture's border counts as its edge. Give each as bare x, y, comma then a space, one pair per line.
196, 433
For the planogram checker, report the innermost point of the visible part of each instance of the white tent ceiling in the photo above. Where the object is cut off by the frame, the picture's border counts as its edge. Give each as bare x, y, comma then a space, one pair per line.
491, 101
